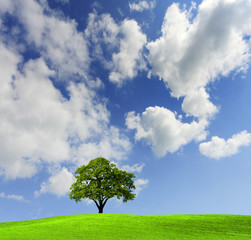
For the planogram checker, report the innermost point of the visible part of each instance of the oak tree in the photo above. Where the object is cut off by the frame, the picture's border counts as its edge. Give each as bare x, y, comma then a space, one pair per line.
100, 180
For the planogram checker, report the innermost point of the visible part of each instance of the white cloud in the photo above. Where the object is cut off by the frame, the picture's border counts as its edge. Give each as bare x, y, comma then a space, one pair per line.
125, 41
189, 55
88, 201
33, 122
193, 52
59, 184
219, 147
101, 28
102, 32
13, 196
55, 37
142, 5
134, 168
128, 60
42, 125
197, 104
111, 145
163, 131
140, 184
6, 6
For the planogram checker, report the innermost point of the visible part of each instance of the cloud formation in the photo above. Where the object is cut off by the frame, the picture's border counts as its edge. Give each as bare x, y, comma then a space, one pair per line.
13, 196
125, 41
219, 147
192, 52
140, 184
44, 126
134, 168
142, 5
47, 127
55, 36
128, 60
197, 104
163, 131
58, 184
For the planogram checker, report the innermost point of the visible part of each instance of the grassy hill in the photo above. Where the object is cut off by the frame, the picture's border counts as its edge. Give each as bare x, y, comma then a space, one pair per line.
117, 226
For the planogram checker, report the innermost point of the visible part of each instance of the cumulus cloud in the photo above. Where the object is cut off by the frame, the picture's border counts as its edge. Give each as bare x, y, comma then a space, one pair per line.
142, 5
192, 52
34, 121
59, 184
197, 104
37, 120
13, 196
163, 131
125, 41
219, 147
56, 37
42, 125
128, 60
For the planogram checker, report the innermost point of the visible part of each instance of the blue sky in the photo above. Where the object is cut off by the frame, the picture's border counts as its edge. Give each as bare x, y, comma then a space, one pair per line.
161, 88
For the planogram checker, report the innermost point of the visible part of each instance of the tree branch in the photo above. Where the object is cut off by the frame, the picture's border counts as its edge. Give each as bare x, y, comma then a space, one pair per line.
96, 203
105, 201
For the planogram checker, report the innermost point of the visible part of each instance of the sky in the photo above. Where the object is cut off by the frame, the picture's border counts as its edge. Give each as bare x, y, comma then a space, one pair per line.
161, 88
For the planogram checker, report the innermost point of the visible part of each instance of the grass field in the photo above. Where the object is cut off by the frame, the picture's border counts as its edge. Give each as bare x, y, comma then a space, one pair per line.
116, 226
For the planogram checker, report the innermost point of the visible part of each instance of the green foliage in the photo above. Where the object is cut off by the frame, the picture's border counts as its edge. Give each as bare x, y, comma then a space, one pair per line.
116, 226
101, 180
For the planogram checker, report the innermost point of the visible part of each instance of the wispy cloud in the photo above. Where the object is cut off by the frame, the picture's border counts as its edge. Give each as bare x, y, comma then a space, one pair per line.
63, 1
122, 42
140, 184
141, 6
134, 168
13, 197
56, 37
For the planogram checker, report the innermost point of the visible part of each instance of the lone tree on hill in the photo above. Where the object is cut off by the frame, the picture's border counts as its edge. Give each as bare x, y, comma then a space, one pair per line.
101, 180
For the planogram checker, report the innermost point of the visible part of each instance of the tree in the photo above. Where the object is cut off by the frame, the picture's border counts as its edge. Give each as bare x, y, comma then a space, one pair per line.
101, 180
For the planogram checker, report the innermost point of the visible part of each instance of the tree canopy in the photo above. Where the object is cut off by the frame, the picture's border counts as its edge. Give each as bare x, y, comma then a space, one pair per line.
101, 180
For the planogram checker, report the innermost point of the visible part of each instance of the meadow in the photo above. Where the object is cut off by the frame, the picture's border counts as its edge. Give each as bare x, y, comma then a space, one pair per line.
118, 226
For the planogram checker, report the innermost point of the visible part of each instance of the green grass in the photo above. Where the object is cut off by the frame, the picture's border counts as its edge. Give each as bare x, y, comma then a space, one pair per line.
117, 226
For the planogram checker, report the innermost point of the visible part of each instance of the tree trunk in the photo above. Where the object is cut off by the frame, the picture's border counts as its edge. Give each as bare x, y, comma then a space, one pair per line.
100, 209
101, 205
